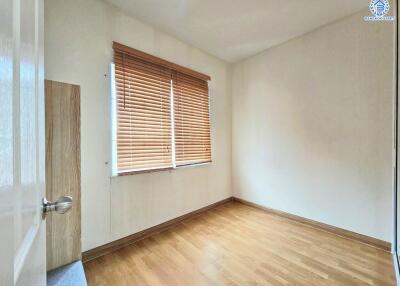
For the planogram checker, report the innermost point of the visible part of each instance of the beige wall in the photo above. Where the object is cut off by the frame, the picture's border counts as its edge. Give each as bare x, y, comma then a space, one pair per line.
312, 126
78, 39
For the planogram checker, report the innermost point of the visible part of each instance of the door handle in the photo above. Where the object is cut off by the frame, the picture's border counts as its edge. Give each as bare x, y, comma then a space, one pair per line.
61, 206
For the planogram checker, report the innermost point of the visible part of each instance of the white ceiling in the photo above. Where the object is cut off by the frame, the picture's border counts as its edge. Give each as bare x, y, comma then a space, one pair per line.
235, 29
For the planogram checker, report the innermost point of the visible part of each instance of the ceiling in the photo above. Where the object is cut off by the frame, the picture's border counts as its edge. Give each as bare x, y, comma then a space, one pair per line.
235, 29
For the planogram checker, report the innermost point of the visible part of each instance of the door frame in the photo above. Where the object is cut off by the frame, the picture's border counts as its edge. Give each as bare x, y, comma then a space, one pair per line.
396, 132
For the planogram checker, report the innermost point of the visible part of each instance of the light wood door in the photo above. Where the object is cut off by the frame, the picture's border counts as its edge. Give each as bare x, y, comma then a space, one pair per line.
22, 235
63, 175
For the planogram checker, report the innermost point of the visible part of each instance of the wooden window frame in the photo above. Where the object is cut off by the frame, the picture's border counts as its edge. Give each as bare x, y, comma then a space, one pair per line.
114, 110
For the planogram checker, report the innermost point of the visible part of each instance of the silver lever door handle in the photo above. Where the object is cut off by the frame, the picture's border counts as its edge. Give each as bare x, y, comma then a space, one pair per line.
61, 206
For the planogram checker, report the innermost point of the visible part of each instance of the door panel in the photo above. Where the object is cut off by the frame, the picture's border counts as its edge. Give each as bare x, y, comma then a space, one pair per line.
30, 260
27, 216
22, 239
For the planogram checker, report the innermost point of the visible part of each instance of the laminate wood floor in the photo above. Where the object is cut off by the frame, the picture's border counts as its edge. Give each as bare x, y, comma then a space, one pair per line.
235, 244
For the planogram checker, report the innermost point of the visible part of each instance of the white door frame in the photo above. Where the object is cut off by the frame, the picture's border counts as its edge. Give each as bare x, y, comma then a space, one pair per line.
396, 158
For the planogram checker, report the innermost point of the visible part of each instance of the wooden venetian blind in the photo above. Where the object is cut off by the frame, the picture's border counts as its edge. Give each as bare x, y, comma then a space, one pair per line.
145, 86
143, 114
191, 120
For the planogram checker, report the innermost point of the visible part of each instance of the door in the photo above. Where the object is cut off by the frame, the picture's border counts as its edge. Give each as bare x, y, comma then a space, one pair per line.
63, 171
22, 163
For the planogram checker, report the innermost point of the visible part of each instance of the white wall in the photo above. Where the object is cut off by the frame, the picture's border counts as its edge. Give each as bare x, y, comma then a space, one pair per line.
78, 40
312, 126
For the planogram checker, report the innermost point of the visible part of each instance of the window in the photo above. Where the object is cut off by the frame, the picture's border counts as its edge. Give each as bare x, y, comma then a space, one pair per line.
160, 113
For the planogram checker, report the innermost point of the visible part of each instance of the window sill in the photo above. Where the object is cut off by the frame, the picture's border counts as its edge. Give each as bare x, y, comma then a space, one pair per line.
161, 169
192, 165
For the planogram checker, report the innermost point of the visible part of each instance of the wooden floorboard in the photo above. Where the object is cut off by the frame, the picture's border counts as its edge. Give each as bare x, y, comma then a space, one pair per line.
235, 244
